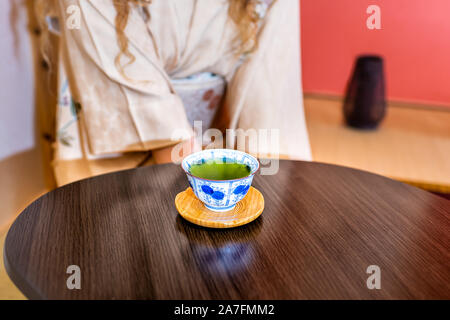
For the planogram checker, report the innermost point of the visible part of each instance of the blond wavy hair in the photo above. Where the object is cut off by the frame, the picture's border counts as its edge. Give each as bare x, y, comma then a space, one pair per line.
241, 12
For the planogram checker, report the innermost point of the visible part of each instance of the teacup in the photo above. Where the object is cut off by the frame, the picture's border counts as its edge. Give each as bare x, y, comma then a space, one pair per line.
220, 195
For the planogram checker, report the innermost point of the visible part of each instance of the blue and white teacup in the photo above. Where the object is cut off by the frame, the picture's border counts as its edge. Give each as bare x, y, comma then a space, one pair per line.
220, 195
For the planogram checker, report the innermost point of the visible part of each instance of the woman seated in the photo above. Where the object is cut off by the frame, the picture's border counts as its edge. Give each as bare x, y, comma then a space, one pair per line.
134, 75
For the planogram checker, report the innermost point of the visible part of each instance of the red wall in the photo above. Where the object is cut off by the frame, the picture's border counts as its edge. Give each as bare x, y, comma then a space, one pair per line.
414, 40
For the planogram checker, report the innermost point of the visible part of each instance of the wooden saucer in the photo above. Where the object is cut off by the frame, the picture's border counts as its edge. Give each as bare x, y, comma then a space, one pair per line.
246, 210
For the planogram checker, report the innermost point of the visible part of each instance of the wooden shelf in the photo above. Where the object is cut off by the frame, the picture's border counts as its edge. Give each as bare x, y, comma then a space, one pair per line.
411, 145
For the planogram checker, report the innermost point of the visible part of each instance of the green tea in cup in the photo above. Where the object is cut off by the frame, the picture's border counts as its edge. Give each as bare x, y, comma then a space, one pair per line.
219, 170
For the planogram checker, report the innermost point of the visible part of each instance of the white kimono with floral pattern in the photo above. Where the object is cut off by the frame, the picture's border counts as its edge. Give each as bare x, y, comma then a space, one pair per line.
108, 121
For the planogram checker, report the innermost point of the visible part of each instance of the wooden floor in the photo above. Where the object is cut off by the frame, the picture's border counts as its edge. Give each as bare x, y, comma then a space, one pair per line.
8, 290
412, 144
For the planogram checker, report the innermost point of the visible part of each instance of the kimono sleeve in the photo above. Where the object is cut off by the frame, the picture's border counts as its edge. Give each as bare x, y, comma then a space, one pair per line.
265, 93
134, 110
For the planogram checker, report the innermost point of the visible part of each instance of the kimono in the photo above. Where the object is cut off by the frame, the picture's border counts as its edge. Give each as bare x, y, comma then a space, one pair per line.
108, 120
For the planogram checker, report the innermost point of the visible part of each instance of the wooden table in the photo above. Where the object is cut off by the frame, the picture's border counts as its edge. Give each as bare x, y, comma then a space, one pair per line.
322, 226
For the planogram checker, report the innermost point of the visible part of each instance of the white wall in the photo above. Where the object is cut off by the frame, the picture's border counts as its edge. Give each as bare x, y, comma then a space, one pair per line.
16, 82
21, 174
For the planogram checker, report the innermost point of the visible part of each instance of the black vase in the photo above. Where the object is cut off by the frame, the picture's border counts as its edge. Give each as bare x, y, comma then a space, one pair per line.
365, 101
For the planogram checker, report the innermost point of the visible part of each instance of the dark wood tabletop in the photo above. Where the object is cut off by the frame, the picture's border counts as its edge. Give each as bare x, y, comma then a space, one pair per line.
322, 227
